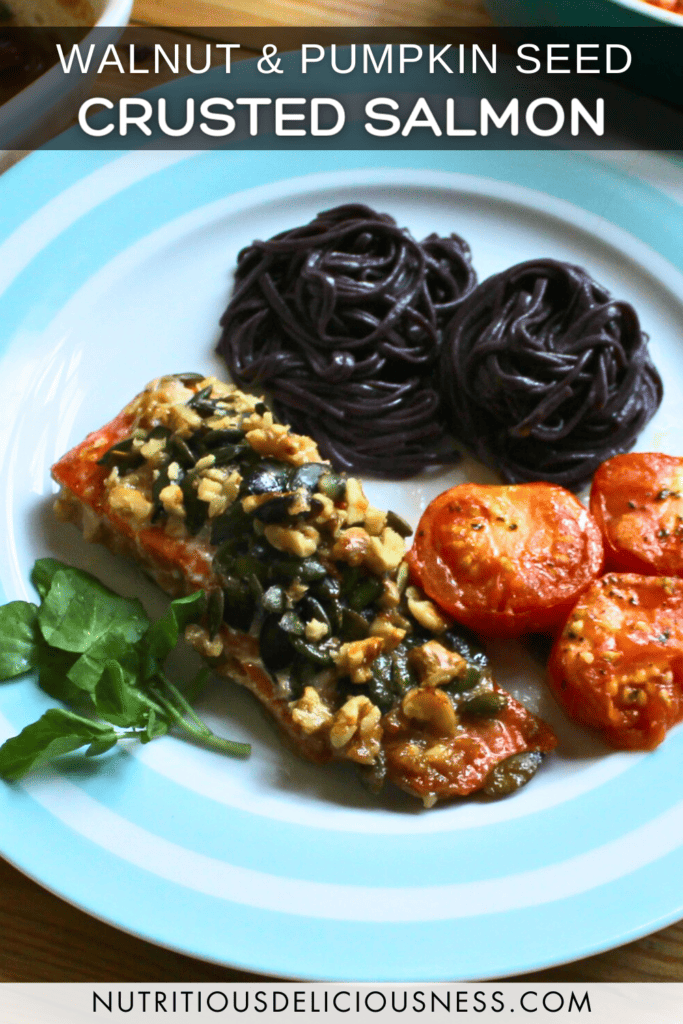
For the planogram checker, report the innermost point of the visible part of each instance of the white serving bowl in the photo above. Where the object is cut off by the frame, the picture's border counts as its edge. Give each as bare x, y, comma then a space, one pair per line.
49, 104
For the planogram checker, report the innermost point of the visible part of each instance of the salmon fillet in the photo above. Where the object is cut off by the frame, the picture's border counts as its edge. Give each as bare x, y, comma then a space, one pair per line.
309, 602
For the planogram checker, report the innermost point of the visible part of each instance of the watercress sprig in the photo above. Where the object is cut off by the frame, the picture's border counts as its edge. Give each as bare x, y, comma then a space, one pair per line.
97, 653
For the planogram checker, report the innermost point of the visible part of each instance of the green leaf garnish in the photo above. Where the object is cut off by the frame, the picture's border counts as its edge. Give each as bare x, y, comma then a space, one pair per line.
162, 636
78, 611
19, 633
57, 732
97, 652
87, 670
43, 572
117, 700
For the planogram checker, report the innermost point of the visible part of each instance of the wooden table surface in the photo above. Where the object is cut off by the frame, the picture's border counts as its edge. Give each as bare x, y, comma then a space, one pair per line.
44, 939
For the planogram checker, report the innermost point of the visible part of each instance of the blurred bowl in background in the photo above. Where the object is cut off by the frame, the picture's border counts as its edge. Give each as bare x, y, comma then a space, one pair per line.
49, 104
656, 76
609, 13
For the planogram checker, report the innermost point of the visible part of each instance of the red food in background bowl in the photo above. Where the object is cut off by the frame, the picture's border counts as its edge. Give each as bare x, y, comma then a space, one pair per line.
608, 13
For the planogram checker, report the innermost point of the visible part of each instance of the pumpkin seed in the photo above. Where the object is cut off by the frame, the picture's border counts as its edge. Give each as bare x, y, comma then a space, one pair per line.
335, 611
244, 566
301, 674
354, 626
274, 600
367, 591
122, 455
157, 487
402, 677
310, 570
227, 454
292, 624
307, 475
400, 526
269, 477
402, 576
350, 578
484, 705
332, 485
468, 681
255, 586
215, 609
195, 510
180, 452
274, 511
318, 654
239, 605
233, 523
327, 589
274, 644
512, 773
224, 558
200, 396
380, 686
216, 438
313, 609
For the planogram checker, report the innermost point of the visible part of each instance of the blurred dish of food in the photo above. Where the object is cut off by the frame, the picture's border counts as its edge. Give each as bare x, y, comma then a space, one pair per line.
38, 101
626, 13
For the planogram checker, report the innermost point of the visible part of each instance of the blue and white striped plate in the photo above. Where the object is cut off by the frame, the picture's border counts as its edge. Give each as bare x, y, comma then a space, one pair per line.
115, 269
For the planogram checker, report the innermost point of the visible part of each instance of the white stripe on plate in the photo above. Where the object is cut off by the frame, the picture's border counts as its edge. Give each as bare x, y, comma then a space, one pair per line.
221, 880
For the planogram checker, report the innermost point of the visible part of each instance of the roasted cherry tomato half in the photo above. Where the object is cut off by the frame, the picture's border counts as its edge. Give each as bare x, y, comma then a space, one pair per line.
618, 664
637, 501
506, 560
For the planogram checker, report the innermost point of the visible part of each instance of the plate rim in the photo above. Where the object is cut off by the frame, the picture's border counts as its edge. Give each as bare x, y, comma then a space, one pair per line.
408, 159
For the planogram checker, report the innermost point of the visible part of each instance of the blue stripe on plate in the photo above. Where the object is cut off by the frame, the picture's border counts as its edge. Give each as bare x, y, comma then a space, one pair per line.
511, 942
291, 850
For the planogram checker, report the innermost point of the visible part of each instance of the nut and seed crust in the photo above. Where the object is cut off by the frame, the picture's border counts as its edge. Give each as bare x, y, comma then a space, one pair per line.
421, 742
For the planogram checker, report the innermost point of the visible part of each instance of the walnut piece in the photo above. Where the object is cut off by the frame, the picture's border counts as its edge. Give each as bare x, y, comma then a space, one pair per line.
432, 707
351, 546
183, 420
355, 658
356, 729
302, 541
171, 497
425, 611
199, 638
435, 664
375, 520
357, 503
310, 712
385, 552
277, 442
316, 630
130, 503
390, 633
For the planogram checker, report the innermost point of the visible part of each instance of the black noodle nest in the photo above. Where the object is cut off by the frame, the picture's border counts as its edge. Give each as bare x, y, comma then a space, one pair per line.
545, 375
340, 322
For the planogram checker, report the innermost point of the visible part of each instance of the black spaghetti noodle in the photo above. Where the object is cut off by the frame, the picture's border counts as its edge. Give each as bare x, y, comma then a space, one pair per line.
545, 375
340, 321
